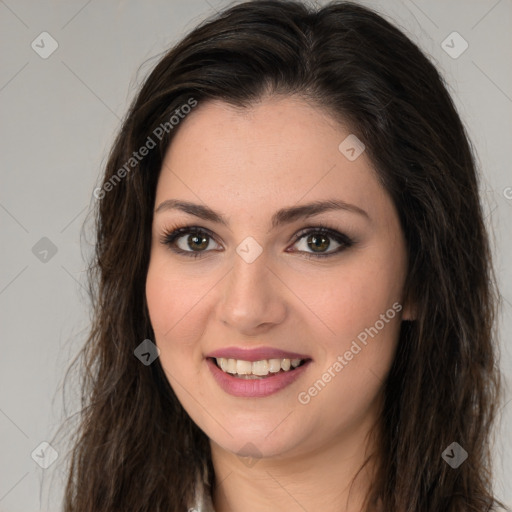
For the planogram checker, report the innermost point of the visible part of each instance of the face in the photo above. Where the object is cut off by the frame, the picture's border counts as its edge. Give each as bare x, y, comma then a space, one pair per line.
262, 278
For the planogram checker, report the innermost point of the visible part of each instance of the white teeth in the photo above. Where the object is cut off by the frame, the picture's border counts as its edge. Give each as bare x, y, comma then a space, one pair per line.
223, 363
260, 367
243, 367
274, 365
257, 368
231, 365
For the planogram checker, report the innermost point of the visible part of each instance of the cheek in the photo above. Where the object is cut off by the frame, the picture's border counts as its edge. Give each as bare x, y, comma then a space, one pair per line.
352, 298
171, 300
161, 301
176, 320
366, 317
362, 309
168, 302
354, 362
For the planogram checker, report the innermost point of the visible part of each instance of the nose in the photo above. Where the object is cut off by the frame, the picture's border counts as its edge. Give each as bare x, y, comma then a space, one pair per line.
253, 298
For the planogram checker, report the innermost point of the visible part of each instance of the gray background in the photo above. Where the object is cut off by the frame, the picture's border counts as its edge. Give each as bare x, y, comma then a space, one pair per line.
59, 116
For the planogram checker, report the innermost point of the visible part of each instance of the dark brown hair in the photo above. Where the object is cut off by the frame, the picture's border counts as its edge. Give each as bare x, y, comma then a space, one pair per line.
136, 449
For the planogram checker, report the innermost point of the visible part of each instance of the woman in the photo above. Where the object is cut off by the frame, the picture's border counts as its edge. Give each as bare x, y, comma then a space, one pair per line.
294, 297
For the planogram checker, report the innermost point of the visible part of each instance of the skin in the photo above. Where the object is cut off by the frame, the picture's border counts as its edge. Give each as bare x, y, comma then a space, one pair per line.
247, 164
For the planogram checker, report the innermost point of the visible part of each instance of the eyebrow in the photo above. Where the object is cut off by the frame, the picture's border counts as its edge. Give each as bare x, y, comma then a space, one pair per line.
283, 216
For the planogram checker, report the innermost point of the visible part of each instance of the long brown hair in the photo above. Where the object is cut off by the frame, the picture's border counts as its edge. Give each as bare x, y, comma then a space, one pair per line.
136, 449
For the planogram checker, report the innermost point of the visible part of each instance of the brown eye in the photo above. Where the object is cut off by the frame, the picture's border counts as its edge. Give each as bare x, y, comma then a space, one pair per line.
197, 242
318, 243
318, 240
189, 241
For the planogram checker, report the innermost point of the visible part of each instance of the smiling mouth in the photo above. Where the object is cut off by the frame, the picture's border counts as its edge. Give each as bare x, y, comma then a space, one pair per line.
263, 369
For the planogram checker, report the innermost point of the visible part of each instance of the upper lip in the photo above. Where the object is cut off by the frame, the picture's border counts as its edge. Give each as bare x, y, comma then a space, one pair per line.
255, 354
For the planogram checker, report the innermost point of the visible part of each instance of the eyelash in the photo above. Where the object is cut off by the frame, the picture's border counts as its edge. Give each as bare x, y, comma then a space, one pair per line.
170, 236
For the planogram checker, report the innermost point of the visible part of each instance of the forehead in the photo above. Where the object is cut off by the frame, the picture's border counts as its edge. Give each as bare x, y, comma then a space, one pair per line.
275, 127
279, 151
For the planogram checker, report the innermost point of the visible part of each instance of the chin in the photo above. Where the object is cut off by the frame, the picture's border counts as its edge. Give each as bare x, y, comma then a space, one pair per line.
259, 440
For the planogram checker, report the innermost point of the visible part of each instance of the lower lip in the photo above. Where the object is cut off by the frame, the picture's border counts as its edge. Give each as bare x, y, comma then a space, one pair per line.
255, 388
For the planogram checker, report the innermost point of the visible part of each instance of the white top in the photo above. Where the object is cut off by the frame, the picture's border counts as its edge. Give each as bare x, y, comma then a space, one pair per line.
202, 501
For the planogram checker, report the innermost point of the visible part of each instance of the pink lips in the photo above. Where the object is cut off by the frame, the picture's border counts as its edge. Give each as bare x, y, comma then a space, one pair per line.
255, 388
